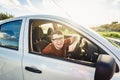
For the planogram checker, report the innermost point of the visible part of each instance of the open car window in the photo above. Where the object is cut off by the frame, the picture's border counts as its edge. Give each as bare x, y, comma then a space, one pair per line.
85, 51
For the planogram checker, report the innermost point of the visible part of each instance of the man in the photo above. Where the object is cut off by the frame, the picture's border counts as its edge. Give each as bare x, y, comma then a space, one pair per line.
59, 45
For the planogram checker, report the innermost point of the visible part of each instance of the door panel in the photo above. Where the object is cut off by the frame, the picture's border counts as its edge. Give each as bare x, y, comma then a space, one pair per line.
10, 65
53, 69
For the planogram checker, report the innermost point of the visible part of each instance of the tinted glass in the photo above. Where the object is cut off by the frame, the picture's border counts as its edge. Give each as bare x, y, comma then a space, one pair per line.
9, 34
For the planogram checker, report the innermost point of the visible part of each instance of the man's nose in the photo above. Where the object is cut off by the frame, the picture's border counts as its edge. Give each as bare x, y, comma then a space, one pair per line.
59, 41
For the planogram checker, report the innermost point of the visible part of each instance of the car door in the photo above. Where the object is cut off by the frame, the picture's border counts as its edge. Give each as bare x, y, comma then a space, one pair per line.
11, 50
42, 67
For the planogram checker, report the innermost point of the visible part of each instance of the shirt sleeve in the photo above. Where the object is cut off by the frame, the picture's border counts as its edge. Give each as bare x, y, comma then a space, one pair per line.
67, 41
47, 49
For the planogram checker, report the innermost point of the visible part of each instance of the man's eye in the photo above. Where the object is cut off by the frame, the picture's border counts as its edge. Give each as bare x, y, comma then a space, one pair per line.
58, 38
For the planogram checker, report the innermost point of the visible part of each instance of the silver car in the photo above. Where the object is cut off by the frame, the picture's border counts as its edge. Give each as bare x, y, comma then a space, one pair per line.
21, 56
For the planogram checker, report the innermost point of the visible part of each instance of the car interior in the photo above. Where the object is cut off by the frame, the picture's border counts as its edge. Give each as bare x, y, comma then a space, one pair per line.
40, 36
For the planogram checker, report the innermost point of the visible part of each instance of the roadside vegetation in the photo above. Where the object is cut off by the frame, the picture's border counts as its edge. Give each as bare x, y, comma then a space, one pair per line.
109, 30
110, 34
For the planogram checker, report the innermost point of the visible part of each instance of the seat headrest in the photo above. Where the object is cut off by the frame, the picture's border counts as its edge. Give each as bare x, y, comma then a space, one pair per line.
37, 34
50, 30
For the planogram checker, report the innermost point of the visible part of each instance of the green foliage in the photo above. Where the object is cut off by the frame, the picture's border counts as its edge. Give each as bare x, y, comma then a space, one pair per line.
5, 16
110, 34
109, 30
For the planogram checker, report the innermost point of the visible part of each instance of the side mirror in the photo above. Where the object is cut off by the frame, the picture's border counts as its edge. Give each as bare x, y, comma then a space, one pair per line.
105, 67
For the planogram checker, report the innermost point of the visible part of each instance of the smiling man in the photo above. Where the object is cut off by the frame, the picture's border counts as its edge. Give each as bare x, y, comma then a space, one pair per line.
59, 45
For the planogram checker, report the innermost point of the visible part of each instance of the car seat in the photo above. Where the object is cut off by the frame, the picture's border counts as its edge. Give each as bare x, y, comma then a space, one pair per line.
38, 39
50, 30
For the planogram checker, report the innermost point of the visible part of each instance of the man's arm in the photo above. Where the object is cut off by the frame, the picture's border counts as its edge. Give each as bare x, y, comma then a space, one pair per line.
73, 42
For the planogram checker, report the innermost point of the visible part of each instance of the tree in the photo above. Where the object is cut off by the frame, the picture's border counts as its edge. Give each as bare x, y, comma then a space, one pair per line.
5, 16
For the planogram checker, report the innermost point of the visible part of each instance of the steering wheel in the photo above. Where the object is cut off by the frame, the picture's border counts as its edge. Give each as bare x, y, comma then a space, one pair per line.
84, 46
82, 51
73, 54
79, 51
85, 49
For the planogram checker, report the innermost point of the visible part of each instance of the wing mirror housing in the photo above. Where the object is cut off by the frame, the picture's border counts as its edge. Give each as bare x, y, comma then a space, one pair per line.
105, 67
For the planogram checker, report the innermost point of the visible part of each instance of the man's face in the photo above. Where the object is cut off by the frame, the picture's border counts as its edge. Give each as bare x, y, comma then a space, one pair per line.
58, 41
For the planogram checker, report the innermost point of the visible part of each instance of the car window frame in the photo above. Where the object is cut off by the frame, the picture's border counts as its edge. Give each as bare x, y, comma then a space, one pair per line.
54, 57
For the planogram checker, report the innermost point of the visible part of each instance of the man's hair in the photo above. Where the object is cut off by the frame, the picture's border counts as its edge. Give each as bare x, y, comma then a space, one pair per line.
56, 32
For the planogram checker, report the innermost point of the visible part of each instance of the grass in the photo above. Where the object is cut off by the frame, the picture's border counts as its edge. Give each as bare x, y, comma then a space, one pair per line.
110, 34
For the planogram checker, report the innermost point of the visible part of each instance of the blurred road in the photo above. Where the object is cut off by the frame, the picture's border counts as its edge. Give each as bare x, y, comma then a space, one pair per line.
117, 41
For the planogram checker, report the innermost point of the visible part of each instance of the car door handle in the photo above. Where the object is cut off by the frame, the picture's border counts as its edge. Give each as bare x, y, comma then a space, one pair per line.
33, 69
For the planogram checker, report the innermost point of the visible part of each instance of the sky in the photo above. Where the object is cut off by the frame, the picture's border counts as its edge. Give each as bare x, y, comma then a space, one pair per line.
88, 13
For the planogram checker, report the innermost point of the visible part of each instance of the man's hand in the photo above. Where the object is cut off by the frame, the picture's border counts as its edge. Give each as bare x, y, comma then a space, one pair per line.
71, 47
73, 40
